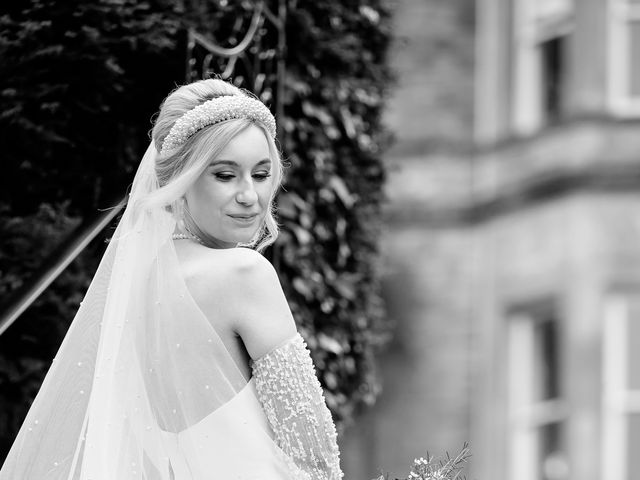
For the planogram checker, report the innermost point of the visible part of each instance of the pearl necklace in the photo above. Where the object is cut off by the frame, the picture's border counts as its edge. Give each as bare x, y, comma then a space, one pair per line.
184, 236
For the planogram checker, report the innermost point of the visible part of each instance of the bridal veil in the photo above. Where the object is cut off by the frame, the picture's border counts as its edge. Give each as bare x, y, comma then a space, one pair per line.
139, 360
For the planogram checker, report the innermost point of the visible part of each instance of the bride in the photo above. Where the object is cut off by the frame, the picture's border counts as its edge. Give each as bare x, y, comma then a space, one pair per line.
183, 361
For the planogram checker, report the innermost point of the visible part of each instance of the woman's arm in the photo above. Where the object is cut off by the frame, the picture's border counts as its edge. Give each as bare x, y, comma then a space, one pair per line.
285, 378
292, 398
259, 310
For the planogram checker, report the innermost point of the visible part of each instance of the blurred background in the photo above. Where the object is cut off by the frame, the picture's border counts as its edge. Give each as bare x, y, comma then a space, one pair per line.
512, 242
461, 238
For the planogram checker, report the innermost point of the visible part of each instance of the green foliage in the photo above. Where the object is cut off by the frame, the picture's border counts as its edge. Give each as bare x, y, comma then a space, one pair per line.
79, 83
330, 209
430, 468
75, 101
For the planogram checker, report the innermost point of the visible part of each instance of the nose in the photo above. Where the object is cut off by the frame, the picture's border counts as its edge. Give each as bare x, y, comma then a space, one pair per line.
246, 194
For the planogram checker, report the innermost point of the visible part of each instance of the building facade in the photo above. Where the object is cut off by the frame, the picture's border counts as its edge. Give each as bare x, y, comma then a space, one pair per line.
512, 251
556, 202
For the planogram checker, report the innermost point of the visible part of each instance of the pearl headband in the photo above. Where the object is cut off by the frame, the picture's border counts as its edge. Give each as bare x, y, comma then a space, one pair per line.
215, 111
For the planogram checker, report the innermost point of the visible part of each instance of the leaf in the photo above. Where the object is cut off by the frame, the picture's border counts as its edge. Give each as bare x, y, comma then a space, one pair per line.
301, 287
345, 288
348, 122
319, 113
342, 191
329, 344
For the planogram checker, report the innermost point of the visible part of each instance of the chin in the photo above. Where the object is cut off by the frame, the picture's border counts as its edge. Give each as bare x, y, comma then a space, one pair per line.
244, 238
240, 237
234, 234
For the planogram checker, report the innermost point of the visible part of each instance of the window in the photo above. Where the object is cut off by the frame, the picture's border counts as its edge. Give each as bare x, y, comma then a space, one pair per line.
541, 29
552, 57
621, 392
624, 57
537, 410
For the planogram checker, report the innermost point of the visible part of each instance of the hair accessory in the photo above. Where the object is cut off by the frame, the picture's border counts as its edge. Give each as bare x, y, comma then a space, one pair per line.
218, 110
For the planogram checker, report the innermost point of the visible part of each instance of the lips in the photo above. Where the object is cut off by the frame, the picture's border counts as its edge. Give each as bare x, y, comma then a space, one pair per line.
244, 217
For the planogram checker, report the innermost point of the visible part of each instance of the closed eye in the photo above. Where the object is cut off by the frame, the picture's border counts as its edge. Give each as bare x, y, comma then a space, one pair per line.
261, 175
225, 177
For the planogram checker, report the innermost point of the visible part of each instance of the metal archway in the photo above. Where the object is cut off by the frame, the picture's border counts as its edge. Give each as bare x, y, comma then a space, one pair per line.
255, 62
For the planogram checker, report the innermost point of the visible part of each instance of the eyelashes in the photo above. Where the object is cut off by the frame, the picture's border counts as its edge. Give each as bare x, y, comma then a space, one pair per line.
227, 177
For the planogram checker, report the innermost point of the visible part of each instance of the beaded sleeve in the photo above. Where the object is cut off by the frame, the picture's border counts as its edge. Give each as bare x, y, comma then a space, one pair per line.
291, 396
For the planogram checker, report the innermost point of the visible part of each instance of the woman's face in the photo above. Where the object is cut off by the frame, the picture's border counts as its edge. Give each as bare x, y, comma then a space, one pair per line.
231, 198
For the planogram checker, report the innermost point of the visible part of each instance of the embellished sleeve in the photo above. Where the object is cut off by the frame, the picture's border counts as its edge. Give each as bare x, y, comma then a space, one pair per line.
292, 398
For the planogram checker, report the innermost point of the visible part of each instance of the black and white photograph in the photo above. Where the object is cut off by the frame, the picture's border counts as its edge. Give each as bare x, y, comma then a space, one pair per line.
320, 240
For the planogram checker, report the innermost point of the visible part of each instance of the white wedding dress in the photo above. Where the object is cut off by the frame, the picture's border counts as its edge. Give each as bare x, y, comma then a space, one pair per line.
276, 427
240, 452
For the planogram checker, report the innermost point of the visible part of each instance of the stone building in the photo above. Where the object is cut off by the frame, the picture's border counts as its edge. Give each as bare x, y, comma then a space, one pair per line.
513, 246
556, 191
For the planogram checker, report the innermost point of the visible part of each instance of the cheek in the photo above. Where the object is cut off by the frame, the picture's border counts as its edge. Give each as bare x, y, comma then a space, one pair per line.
265, 191
203, 198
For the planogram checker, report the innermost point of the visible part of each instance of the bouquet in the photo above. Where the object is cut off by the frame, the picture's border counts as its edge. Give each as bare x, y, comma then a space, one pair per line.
434, 469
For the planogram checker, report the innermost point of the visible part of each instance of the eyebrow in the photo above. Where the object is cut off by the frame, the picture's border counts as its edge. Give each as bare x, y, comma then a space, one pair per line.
235, 164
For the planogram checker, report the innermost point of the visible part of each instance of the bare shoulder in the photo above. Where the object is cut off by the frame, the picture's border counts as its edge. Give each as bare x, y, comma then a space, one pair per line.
241, 286
232, 268
245, 264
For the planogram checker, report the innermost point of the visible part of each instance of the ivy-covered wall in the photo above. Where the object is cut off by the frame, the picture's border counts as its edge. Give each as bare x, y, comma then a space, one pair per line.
79, 83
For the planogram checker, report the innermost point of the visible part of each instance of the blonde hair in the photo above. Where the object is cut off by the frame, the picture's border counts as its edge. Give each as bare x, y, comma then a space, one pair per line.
178, 169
